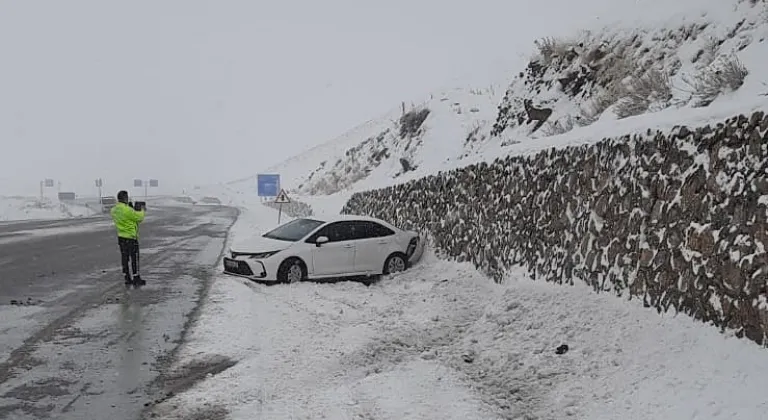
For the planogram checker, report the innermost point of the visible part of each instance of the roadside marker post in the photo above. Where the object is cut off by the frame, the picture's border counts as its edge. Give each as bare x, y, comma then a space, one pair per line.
282, 198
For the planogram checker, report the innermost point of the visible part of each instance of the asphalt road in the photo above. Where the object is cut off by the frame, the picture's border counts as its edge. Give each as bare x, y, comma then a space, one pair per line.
74, 342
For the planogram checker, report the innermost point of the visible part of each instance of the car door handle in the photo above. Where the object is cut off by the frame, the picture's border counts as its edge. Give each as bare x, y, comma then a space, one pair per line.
349, 246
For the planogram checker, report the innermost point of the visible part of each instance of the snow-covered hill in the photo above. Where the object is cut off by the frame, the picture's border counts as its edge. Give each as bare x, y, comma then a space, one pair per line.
611, 81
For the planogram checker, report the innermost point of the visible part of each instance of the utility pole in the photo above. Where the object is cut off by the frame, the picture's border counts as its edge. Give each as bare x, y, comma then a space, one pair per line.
99, 184
46, 183
152, 183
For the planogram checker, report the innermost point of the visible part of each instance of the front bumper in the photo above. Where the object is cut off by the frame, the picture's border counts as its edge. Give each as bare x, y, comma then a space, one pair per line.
253, 270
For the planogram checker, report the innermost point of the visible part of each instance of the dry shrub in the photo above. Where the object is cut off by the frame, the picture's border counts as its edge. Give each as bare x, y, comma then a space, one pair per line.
558, 127
709, 51
724, 76
549, 48
638, 93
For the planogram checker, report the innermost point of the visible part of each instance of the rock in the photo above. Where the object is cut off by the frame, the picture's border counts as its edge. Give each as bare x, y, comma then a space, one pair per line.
562, 349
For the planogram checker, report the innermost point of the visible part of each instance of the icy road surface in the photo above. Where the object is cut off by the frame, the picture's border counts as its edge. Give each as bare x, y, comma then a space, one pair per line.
75, 343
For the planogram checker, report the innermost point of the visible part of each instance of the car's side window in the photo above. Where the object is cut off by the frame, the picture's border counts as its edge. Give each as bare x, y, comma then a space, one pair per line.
346, 231
351, 230
382, 230
325, 231
336, 232
368, 229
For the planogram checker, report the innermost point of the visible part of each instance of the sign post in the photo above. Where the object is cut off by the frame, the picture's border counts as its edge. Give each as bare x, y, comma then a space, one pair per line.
152, 183
99, 184
47, 183
282, 198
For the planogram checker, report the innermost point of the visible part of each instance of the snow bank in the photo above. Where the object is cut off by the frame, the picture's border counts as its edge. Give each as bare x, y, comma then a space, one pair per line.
440, 342
28, 208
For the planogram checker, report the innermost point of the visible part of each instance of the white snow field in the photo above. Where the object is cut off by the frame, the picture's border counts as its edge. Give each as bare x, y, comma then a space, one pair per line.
440, 341
29, 208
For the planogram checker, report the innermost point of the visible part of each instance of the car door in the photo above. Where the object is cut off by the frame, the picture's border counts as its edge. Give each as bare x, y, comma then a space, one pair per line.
337, 256
372, 245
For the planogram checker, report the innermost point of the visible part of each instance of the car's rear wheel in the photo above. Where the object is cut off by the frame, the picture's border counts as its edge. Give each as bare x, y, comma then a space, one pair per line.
395, 263
292, 270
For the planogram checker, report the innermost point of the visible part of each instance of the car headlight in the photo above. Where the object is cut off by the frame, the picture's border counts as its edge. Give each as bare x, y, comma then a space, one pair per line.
254, 255
262, 255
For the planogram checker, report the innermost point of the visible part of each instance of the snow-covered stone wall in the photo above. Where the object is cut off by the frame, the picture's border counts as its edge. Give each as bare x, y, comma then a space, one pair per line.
679, 220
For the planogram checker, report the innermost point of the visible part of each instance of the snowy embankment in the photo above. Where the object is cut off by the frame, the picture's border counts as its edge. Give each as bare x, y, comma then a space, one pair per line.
28, 208
443, 342
459, 129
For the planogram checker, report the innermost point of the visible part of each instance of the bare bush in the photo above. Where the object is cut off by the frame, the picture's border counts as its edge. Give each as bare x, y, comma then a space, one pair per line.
549, 48
615, 68
637, 95
708, 52
600, 102
726, 76
558, 127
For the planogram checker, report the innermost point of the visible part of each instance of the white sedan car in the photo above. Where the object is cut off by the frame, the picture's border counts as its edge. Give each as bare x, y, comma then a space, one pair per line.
309, 248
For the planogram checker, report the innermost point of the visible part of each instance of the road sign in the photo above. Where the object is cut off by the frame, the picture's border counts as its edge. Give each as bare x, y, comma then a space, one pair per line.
99, 183
268, 185
48, 183
153, 183
66, 196
137, 183
282, 198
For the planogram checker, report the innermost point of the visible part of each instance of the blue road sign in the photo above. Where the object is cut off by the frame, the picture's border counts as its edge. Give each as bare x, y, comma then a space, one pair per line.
268, 185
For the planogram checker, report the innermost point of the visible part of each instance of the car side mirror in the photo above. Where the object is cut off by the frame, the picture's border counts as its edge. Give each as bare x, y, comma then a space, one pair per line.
321, 240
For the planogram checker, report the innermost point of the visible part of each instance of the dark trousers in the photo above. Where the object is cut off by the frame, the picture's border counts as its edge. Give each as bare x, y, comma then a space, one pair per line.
129, 250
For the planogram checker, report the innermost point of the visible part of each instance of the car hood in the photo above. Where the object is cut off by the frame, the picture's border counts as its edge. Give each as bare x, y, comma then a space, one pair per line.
258, 244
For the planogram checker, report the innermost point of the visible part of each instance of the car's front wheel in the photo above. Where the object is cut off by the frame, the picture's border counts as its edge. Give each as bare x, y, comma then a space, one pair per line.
291, 270
395, 263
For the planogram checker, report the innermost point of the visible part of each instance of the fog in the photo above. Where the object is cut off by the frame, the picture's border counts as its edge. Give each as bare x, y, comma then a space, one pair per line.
197, 92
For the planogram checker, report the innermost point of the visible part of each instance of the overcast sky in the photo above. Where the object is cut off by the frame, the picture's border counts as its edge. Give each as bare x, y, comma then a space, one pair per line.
200, 91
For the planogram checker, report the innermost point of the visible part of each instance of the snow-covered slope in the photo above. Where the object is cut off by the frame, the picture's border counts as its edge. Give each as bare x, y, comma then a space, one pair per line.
28, 208
604, 82
441, 342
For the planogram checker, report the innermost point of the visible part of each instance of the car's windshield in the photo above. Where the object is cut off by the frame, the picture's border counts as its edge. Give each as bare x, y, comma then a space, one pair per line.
294, 230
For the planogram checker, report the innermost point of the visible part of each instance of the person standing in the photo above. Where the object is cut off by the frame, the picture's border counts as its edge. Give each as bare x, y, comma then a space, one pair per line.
127, 221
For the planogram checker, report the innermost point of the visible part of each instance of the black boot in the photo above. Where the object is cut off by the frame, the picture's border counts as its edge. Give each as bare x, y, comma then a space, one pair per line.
128, 280
137, 281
